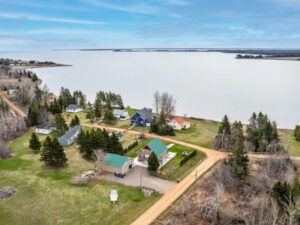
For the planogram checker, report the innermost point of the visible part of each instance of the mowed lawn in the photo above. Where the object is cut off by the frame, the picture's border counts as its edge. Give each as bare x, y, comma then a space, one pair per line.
45, 196
173, 170
200, 133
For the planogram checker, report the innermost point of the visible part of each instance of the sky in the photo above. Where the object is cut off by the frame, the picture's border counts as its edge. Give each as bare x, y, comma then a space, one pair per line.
55, 24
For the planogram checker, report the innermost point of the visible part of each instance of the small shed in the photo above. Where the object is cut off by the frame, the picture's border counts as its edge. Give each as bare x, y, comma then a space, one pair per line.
114, 163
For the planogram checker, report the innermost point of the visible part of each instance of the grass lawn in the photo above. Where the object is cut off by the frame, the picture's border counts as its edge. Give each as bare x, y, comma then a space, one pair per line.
287, 137
173, 171
81, 115
46, 197
200, 133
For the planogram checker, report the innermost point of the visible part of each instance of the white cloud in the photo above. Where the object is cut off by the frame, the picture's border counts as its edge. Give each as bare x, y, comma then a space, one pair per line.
34, 17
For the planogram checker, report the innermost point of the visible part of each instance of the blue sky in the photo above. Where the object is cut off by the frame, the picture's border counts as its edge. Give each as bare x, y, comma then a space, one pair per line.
37, 24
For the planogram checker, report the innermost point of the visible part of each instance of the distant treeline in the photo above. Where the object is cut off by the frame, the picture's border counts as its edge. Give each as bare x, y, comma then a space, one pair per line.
265, 52
7, 62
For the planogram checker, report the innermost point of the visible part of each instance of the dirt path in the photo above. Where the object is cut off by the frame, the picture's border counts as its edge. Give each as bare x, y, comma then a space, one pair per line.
13, 106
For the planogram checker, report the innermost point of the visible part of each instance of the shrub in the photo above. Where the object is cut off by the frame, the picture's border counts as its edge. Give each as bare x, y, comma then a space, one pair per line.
188, 157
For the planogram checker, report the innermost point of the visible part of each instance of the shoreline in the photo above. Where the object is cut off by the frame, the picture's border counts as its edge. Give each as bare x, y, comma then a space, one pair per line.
39, 66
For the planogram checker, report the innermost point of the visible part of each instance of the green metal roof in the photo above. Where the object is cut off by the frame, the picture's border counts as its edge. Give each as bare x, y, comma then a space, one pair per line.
115, 160
157, 146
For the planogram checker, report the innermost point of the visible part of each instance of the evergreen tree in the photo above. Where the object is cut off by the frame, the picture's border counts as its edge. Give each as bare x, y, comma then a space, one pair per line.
52, 153
97, 109
55, 107
114, 145
153, 163
297, 133
109, 116
224, 128
239, 159
34, 143
60, 124
90, 112
75, 121
284, 194
33, 115
236, 138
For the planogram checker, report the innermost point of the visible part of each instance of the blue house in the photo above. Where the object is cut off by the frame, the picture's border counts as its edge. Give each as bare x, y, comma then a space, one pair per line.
69, 137
142, 118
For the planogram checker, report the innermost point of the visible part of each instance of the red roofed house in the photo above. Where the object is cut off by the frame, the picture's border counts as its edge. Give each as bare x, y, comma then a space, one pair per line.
178, 123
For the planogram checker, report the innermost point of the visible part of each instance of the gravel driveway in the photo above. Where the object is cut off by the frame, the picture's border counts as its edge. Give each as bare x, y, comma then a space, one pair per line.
133, 178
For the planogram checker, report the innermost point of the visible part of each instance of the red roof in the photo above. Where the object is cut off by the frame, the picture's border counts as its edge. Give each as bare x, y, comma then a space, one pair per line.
180, 120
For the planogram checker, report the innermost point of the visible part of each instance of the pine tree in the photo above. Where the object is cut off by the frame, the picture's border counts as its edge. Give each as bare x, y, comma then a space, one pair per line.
55, 108
97, 109
90, 112
224, 128
34, 143
75, 121
236, 139
297, 133
53, 153
109, 116
33, 115
153, 163
60, 124
114, 145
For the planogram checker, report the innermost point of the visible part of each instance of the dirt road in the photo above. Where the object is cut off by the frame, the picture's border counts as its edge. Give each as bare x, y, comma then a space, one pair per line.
13, 106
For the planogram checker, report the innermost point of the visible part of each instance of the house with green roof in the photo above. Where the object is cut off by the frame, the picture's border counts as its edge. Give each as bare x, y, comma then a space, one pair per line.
156, 146
114, 163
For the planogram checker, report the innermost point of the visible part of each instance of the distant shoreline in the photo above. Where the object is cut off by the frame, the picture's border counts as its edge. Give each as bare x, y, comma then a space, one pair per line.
39, 66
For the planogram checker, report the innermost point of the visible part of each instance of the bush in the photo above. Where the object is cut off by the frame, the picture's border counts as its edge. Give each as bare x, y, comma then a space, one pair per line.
130, 147
188, 157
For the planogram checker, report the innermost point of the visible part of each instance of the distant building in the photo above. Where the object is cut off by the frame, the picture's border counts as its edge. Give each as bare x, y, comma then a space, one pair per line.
142, 118
44, 128
74, 108
178, 123
156, 146
121, 114
12, 91
70, 137
114, 163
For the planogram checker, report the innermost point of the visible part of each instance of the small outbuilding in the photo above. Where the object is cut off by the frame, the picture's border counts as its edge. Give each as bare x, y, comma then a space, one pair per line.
44, 128
118, 164
74, 108
121, 114
70, 137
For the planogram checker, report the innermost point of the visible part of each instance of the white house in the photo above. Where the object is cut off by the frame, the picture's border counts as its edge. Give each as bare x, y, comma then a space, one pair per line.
74, 108
121, 114
178, 123
44, 128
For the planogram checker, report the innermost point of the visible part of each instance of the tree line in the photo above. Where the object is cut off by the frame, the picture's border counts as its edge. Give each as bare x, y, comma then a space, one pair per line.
90, 141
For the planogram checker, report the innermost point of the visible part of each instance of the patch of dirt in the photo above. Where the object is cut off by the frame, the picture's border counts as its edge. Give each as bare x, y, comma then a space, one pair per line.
7, 192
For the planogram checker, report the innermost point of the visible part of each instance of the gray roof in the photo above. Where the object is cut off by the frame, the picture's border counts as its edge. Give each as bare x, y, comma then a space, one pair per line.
71, 132
73, 107
146, 114
118, 111
46, 126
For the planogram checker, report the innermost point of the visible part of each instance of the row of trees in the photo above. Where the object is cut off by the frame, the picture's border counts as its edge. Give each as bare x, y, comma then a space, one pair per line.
66, 98
261, 134
94, 140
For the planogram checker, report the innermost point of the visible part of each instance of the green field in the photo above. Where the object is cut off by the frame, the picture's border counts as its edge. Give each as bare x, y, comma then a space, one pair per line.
288, 138
45, 196
173, 171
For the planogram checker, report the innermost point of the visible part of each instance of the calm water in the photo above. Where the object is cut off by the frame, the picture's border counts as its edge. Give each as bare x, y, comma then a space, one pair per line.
206, 85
